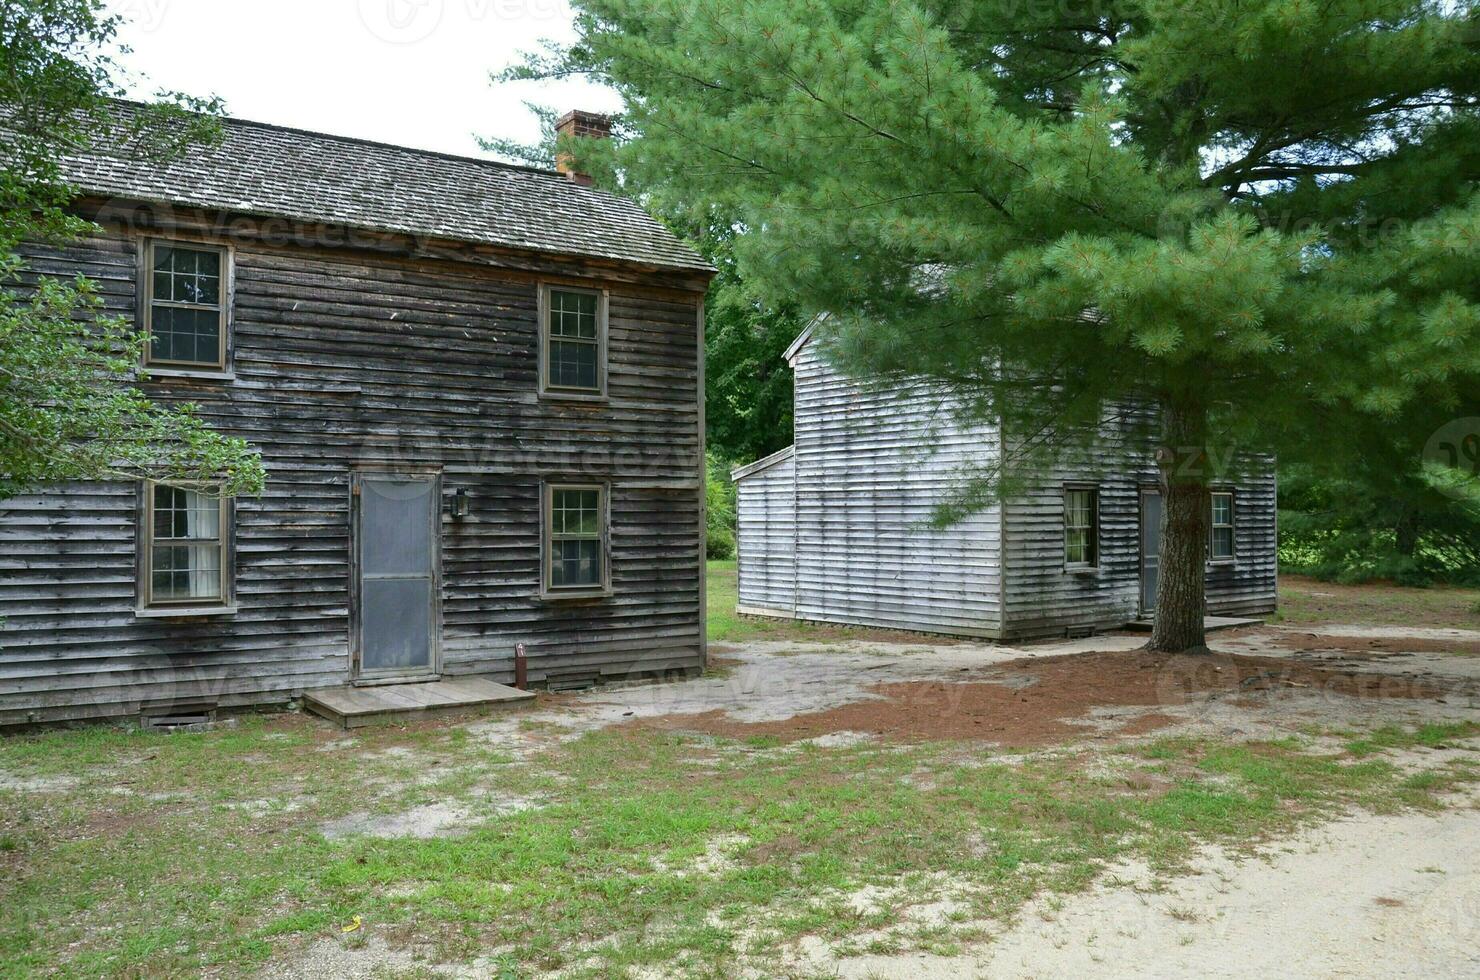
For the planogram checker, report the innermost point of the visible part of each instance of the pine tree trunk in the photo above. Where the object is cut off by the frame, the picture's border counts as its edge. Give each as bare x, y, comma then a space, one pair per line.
1181, 593
1406, 533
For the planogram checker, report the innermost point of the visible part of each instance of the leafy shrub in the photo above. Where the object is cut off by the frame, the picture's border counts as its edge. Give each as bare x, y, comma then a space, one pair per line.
719, 500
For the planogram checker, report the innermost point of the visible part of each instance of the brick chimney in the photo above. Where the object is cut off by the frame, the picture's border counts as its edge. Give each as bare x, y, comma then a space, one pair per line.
581, 124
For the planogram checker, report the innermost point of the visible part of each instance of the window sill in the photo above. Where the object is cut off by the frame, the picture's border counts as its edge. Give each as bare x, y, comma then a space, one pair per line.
147, 373
1215, 562
1084, 570
574, 595
183, 612
587, 397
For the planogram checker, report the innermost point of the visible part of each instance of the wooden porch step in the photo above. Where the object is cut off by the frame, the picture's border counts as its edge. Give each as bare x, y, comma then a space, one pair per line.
355, 707
1210, 623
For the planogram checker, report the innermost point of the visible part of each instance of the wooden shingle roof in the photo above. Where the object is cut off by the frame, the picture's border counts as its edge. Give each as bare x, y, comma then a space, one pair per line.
272, 171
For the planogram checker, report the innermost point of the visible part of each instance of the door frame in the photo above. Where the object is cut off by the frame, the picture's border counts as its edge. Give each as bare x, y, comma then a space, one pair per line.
1146, 490
357, 674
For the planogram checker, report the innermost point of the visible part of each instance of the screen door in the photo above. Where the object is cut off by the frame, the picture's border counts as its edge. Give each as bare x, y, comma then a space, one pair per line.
1150, 548
396, 544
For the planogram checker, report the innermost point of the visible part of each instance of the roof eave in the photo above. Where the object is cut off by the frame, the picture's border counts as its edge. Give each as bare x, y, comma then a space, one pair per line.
700, 268
796, 345
750, 469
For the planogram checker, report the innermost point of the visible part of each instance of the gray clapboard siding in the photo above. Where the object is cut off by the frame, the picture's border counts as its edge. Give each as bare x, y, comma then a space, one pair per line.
766, 516
868, 468
1248, 585
1044, 598
834, 530
346, 359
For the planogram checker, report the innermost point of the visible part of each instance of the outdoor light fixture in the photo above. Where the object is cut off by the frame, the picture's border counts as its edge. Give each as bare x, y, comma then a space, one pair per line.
460, 503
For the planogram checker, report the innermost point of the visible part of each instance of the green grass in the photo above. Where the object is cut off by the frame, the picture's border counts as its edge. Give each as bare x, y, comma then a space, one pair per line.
149, 864
1310, 602
1431, 736
1302, 602
722, 592
725, 626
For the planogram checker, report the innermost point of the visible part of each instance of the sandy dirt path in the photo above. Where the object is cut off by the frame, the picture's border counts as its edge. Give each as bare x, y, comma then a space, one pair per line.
1363, 897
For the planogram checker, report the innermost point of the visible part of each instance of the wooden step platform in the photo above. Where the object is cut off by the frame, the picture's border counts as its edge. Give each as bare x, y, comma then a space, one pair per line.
355, 707
1210, 623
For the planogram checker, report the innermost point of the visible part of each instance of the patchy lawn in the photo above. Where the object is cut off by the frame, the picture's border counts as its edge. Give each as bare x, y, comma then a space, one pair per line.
522, 845
1311, 602
810, 804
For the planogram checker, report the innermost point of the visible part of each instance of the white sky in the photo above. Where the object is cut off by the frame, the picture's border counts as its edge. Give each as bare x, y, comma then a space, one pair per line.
413, 72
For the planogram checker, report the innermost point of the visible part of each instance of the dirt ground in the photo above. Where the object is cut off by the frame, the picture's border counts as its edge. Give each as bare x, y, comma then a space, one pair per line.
1365, 896
1260, 682
1044, 700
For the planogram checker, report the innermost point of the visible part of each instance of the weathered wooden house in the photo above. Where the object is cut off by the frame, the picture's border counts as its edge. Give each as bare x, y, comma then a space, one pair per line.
834, 528
477, 391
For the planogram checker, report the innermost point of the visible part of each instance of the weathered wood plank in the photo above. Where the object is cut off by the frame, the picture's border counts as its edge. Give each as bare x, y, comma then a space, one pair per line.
376, 356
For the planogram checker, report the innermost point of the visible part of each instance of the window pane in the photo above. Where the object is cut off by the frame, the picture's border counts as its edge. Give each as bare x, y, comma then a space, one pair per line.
168, 501
186, 514
1079, 527
1222, 542
185, 335
575, 563
1076, 546
573, 364
187, 275
576, 512
185, 552
575, 545
572, 314
1080, 508
1222, 508
187, 572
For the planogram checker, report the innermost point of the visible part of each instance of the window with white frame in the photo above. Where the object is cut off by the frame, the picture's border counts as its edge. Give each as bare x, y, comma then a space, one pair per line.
185, 305
183, 547
574, 341
575, 544
1081, 527
1220, 542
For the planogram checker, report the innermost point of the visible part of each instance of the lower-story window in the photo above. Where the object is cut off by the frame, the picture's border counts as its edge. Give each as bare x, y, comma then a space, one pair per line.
1220, 539
183, 547
1081, 527
575, 538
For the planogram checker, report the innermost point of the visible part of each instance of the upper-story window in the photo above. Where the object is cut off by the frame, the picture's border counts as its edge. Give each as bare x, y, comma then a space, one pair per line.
573, 341
185, 311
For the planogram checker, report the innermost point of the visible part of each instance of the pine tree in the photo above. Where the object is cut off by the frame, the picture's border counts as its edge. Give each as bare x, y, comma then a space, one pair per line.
1372, 508
1259, 216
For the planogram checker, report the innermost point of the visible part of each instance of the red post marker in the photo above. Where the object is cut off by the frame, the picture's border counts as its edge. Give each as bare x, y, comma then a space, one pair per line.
521, 668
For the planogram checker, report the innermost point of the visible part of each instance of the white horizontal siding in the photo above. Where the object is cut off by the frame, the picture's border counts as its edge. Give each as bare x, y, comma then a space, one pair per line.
766, 534
872, 465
